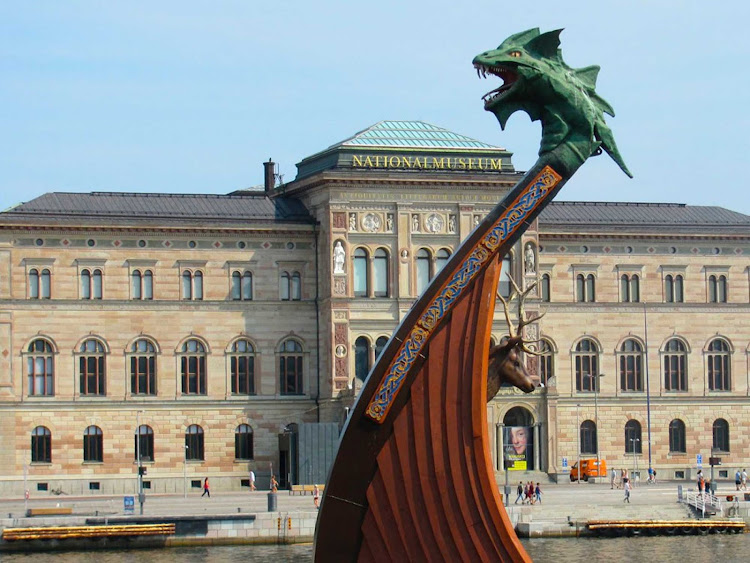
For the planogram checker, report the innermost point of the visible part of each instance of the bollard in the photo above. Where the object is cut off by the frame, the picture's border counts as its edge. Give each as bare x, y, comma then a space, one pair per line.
272, 502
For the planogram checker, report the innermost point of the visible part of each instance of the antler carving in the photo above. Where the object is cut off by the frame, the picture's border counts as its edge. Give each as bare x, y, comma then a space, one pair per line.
522, 320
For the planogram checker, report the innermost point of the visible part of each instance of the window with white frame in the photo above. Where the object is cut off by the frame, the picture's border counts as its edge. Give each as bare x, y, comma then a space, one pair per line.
717, 288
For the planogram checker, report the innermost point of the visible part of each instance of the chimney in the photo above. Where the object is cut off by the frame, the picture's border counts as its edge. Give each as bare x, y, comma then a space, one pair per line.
269, 176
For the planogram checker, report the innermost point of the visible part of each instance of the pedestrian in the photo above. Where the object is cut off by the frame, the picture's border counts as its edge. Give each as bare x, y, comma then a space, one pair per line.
274, 484
626, 486
738, 479
701, 482
519, 492
744, 480
206, 490
538, 493
316, 497
614, 478
654, 476
252, 480
531, 492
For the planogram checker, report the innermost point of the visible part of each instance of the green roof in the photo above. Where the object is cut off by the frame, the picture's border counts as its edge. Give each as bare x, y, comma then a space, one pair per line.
412, 134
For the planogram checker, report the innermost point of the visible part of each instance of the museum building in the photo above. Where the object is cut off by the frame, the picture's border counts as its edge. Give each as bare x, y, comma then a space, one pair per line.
214, 334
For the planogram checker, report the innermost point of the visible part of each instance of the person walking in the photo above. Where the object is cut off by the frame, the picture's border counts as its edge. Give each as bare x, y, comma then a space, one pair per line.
274, 484
626, 486
316, 497
206, 490
252, 480
614, 478
744, 480
538, 494
738, 479
519, 492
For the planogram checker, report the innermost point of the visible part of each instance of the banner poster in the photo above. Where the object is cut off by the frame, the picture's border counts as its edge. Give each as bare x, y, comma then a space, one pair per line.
518, 443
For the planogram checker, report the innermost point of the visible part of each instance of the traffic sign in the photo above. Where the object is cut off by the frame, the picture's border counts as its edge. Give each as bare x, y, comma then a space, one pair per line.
128, 504
699, 460
565, 462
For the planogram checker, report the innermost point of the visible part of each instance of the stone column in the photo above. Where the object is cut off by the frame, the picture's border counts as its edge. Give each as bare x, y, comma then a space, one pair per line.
537, 446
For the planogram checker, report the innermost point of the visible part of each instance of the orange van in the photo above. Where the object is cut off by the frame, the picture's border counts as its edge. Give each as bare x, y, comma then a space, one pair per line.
588, 469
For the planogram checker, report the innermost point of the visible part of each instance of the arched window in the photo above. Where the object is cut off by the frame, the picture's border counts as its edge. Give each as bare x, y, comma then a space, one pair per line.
40, 368
675, 366
717, 289
721, 436
585, 288
242, 367
243, 442
143, 368
93, 444
144, 443
503, 285
290, 286
633, 437
677, 440
380, 345
629, 288
192, 285
424, 269
290, 367
85, 284
142, 285
631, 365
673, 288
194, 443
719, 367
361, 358
193, 367
361, 273
589, 440
546, 288
92, 368
546, 363
586, 357
381, 273
39, 284
441, 259
41, 445
242, 286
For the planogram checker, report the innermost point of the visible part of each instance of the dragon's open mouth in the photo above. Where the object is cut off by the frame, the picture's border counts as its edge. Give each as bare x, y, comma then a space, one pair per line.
508, 76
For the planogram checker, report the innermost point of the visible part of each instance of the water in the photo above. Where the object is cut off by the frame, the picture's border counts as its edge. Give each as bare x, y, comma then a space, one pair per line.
724, 548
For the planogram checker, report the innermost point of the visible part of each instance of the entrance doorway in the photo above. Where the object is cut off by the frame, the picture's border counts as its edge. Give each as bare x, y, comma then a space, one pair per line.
518, 439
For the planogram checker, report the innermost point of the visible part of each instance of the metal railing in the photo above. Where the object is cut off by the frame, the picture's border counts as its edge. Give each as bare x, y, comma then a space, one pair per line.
702, 502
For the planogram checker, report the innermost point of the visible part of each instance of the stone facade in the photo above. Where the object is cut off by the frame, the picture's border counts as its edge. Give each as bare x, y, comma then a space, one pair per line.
395, 226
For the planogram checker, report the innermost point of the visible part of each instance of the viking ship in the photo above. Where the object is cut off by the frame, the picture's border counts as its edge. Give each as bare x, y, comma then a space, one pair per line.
413, 477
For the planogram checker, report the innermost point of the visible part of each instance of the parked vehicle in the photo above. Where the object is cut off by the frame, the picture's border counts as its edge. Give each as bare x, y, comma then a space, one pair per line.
588, 469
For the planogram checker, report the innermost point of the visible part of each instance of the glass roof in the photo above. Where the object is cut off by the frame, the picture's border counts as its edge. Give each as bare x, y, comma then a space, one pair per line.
413, 134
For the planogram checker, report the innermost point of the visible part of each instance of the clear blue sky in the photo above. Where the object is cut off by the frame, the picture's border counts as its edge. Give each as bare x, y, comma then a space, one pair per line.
191, 97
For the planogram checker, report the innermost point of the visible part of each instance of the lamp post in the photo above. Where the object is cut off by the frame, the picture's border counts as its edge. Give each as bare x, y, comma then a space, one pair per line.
648, 390
633, 442
184, 473
140, 462
595, 382
578, 441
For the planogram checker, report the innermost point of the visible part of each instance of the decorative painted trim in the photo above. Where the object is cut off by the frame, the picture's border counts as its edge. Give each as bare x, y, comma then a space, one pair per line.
477, 259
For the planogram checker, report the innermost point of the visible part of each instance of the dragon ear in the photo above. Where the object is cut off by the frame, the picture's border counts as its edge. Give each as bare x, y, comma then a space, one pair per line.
588, 75
547, 44
520, 38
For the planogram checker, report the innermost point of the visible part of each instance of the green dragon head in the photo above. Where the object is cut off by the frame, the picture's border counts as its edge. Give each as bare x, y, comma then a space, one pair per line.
537, 80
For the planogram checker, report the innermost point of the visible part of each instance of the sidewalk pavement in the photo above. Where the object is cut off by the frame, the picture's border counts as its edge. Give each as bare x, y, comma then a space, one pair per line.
560, 495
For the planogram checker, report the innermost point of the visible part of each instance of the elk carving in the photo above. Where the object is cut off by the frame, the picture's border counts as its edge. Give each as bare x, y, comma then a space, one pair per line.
506, 364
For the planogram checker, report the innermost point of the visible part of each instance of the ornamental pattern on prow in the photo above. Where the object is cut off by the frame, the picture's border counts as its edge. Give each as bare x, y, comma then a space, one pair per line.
477, 259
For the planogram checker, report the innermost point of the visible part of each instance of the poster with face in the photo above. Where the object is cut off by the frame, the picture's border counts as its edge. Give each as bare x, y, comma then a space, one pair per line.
518, 443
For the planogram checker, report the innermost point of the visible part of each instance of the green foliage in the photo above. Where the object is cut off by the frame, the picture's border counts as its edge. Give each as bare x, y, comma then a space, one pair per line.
537, 81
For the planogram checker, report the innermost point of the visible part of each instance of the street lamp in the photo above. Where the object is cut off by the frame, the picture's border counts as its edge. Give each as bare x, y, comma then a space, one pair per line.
578, 441
633, 442
184, 473
138, 455
595, 382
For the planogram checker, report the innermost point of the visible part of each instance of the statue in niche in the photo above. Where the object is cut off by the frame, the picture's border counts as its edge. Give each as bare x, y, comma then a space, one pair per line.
352, 221
339, 256
389, 222
529, 261
476, 220
452, 224
415, 223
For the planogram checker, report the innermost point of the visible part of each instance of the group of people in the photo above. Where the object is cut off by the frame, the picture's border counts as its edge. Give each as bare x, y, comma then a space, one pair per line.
528, 493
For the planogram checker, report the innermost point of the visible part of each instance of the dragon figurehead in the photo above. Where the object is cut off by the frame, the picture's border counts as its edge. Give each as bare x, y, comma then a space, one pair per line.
537, 81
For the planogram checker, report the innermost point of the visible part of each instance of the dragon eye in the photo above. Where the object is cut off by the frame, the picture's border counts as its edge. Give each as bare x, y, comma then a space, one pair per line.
515, 54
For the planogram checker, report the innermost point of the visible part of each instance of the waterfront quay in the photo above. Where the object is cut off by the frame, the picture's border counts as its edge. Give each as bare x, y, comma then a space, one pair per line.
244, 518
